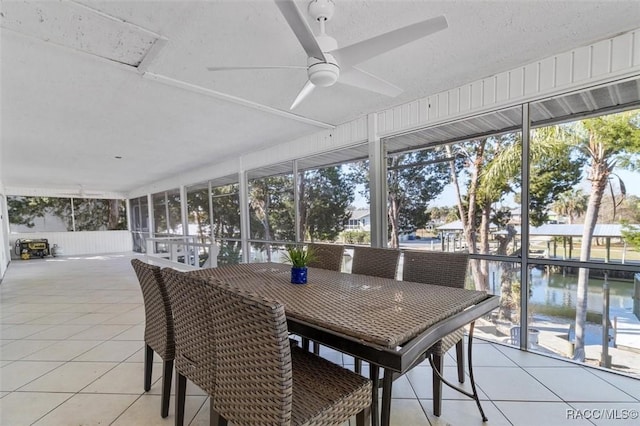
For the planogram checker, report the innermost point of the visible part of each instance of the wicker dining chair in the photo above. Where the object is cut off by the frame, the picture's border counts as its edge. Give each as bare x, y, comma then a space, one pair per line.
326, 256
444, 269
375, 262
158, 329
193, 336
262, 379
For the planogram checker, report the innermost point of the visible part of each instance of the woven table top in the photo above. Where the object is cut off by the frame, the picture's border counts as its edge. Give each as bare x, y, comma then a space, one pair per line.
376, 310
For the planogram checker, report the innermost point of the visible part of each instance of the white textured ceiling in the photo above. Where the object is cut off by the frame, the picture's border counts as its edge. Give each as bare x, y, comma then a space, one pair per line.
70, 103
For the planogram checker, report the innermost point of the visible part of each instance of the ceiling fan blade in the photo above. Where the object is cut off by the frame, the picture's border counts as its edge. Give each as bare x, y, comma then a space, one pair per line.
354, 54
301, 28
306, 91
266, 67
362, 79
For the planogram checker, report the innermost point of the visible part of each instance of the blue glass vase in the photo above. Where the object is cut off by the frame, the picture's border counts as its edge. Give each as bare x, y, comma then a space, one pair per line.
298, 275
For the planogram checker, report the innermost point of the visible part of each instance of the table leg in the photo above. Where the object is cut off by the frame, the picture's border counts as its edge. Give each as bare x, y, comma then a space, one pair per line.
473, 382
387, 382
374, 374
474, 393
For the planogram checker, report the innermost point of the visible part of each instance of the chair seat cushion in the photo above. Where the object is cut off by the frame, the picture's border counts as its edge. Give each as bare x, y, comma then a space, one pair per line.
323, 392
447, 342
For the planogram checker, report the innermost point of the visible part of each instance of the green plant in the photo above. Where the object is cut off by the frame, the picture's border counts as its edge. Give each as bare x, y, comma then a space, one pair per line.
298, 257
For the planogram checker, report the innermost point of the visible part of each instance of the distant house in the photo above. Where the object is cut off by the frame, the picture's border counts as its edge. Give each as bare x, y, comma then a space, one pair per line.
360, 220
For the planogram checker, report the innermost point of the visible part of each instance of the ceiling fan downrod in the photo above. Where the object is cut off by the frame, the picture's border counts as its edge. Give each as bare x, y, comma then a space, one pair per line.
323, 73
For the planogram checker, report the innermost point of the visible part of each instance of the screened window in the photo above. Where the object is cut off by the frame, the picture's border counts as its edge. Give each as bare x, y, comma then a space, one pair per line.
53, 214
329, 185
271, 210
167, 217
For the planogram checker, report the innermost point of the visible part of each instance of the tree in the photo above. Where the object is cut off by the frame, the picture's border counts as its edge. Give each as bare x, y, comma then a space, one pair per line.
473, 164
606, 141
79, 214
198, 210
413, 180
272, 213
325, 195
571, 204
225, 204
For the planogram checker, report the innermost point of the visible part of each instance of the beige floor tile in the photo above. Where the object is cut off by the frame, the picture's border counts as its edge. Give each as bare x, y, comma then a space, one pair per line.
487, 356
55, 318
84, 307
407, 412
100, 332
527, 413
421, 381
138, 356
116, 351
6, 341
402, 389
124, 378
146, 411
70, 377
19, 373
22, 348
24, 408
156, 387
60, 332
21, 317
511, 384
577, 385
626, 384
119, 308
465, 413
21, 331
65, 350
607, 413
528, 359
36, 307
131, 318
2, 395
88, 410
92, 319
134, 333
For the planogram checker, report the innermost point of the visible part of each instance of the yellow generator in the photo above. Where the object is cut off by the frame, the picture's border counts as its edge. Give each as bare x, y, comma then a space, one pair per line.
27, 249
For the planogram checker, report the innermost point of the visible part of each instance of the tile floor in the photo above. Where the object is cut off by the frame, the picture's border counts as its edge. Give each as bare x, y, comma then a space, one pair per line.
71, 353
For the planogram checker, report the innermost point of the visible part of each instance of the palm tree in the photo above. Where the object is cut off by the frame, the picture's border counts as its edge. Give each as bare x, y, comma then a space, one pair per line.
571, 204
606, 141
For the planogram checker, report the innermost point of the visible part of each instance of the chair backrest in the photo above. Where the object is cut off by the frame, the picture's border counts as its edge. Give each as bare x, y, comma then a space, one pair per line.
195, 355
326, 256
253, 359
375, 262
159, 328
437, 268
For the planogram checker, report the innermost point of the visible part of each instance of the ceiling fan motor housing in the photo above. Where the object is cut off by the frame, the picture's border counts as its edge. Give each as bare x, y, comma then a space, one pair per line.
323, 74
321, 9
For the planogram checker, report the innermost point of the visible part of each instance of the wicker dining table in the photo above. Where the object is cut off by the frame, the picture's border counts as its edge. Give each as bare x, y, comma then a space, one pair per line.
386, 322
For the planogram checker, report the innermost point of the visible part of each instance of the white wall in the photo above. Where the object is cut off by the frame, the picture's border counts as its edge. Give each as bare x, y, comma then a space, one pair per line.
81, 243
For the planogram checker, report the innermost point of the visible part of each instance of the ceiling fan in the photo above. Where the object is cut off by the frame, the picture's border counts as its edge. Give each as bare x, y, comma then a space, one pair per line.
327, 64
81, 193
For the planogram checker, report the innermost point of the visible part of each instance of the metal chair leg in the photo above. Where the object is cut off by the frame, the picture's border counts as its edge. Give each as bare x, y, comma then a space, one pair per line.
167, 374
460, 360
181, 391
148, 367
438, 364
